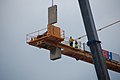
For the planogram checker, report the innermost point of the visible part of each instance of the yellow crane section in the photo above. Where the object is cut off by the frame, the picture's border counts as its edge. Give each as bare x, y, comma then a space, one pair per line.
51, 39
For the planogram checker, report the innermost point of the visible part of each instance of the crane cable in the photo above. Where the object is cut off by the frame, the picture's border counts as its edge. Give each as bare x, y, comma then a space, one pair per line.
102, 28
52, 2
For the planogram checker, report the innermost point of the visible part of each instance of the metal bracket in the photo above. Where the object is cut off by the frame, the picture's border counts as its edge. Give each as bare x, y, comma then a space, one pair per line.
91, 42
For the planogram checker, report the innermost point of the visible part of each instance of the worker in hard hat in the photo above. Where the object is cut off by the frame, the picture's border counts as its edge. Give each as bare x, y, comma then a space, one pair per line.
71, 41
76, 44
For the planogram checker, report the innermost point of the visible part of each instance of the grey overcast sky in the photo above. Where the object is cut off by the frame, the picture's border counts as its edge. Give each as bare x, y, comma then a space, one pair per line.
19, 61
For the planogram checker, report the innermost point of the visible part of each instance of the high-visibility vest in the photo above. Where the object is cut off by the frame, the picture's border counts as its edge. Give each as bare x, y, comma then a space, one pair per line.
71, 40
76, 45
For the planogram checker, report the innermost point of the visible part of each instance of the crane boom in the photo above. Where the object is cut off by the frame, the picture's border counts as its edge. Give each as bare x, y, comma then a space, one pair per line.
93, 40
49, 42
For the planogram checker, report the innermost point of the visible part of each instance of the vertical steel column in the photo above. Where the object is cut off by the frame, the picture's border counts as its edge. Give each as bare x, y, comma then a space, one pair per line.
93, 41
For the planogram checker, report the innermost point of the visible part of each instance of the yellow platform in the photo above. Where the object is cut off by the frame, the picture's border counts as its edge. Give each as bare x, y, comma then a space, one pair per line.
51, 39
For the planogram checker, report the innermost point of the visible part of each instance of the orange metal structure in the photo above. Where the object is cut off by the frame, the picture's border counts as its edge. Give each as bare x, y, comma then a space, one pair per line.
52, 39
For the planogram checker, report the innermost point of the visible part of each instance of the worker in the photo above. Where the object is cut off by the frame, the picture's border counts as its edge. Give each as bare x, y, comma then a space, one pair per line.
76, 44
71, 41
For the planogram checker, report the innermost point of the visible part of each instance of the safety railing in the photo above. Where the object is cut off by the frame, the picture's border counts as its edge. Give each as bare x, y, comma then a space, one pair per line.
33, 35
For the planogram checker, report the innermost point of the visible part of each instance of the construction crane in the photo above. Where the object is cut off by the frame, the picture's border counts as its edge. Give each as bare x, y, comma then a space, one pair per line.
51, 38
